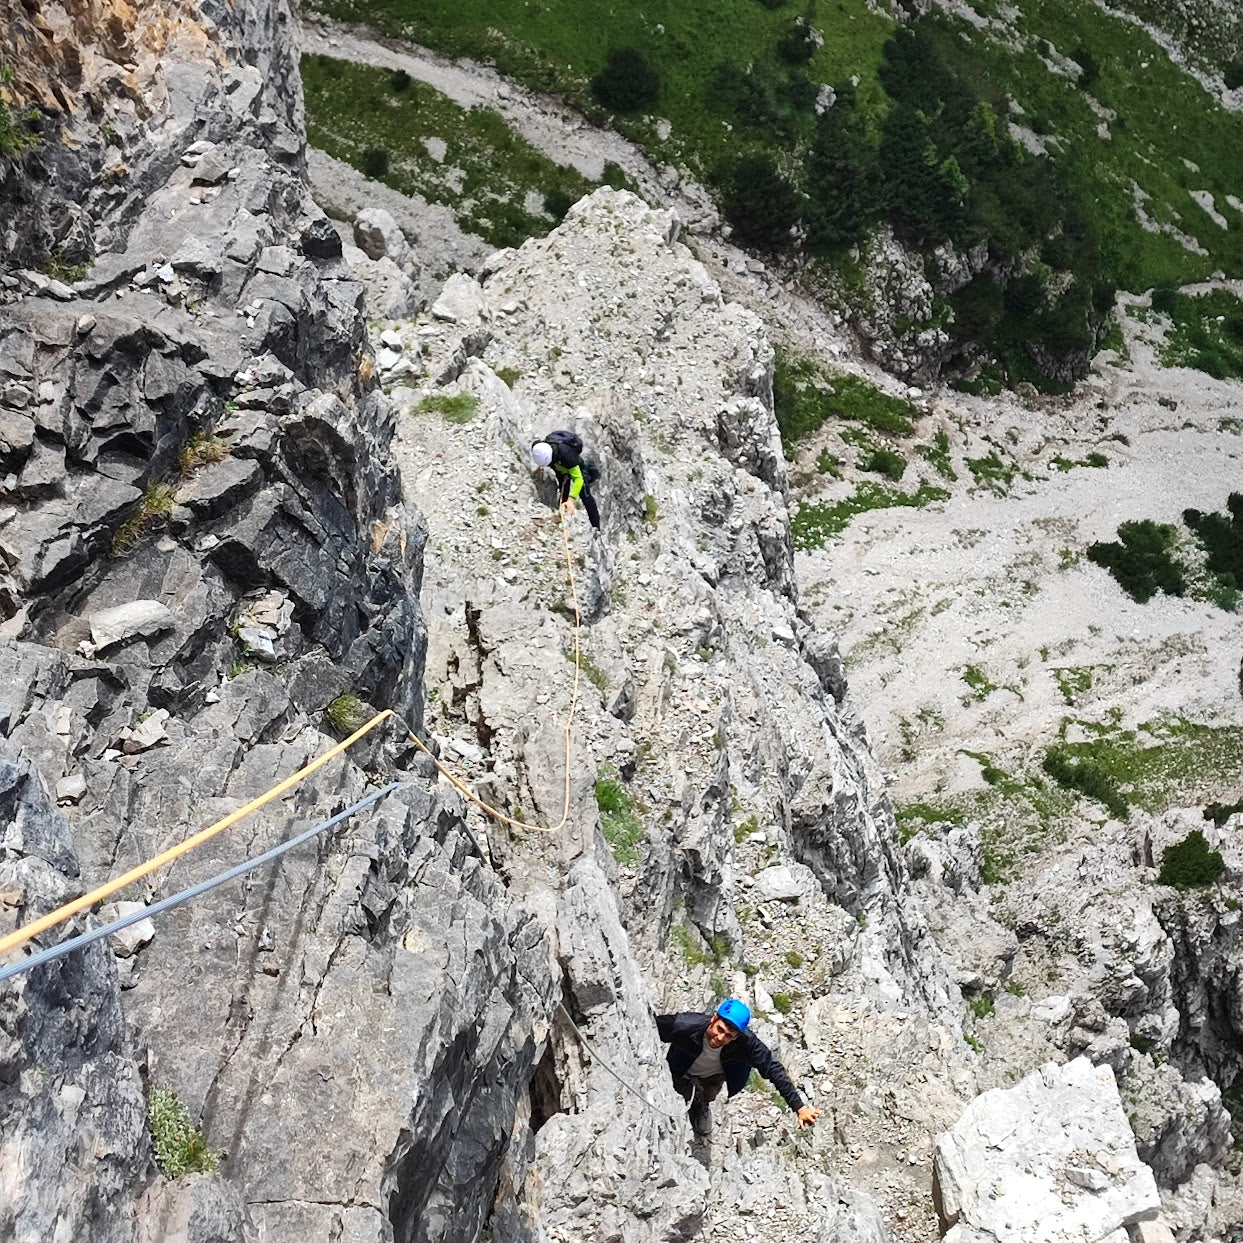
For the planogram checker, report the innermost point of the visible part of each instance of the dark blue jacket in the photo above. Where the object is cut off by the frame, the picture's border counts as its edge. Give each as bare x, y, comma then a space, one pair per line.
684, 1034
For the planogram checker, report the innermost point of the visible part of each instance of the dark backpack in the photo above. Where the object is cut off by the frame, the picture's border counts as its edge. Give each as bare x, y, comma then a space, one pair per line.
569, 439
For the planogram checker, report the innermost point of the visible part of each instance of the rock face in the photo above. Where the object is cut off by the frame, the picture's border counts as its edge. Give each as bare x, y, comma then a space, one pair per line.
199, 483
73, 1136
1050, 1159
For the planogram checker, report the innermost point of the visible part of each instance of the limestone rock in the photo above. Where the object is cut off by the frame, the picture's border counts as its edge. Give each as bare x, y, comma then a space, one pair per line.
376, 234
139, 618
1050, 1159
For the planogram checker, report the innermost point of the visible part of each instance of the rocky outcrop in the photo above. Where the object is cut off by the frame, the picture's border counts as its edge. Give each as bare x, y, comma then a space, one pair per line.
204, 545
1050, 1159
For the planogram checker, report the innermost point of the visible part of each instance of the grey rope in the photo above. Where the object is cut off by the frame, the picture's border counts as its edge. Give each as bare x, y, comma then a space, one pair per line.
664, 1113
97, 934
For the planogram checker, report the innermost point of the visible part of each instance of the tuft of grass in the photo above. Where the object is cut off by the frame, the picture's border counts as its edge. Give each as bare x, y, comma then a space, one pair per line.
938, 454
794, 959
982, 1006
179, 1145
201, 449
153, 508
347, 713
991, 472
979, 683
651, 510
15, 137
817, 521
1087, 777
509, 375
457, 408
1190, 864
619, 822
784, 1002
685, 941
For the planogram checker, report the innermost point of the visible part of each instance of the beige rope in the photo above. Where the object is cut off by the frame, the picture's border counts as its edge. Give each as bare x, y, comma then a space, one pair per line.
20, 936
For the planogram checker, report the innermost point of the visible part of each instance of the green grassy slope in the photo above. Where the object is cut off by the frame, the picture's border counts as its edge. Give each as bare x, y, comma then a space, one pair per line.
1167, 135
560, 46
487, 174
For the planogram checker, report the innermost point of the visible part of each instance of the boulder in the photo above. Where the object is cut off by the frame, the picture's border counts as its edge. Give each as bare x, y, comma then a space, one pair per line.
377, 235
139, 618
1051, 1160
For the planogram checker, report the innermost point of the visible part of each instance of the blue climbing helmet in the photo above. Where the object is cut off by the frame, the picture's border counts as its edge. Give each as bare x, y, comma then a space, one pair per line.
734, 1012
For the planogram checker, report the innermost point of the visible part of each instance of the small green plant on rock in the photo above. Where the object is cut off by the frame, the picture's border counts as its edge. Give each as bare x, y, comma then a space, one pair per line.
619, 822
201, 449
179, 1145
346, 713
456, 407
1190, 864
154, 507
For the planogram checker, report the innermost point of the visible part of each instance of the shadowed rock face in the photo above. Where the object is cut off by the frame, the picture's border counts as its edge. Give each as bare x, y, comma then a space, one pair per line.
203, 546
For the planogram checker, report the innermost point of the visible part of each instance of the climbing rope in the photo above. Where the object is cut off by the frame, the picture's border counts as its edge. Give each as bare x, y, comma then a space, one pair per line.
21, 935
656, 1109
464, 790
97, 934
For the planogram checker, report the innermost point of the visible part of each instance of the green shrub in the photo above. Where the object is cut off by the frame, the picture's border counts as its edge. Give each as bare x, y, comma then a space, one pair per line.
1219, 813
557, 202
784, 1002
1190, 864
399, 80
1233, 75
1088, 778
797, 46
759, 202
1165, 299
1141, 560
627, 82
179, 1145
884, 462
375, 162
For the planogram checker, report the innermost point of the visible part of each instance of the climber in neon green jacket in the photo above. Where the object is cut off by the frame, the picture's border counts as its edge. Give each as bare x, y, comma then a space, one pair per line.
563, 452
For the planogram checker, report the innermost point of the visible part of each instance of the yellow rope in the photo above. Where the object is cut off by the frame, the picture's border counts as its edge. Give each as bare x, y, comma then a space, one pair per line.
464, 790
21, 935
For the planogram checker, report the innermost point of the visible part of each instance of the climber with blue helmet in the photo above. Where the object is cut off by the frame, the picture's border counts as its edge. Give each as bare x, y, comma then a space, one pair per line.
710, 1051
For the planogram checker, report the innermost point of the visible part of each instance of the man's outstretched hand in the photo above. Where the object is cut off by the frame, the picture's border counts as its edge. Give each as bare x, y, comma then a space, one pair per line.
807, 1116
567, 507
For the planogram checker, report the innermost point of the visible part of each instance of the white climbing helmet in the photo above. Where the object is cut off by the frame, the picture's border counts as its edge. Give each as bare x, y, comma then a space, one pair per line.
541, 453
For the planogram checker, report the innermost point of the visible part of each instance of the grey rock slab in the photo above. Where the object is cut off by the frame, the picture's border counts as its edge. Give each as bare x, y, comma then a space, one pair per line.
70, 789
461, 301
377, 235
139, 618
130, 939
1004, 1169
787, 882
217, 487
72, 1112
